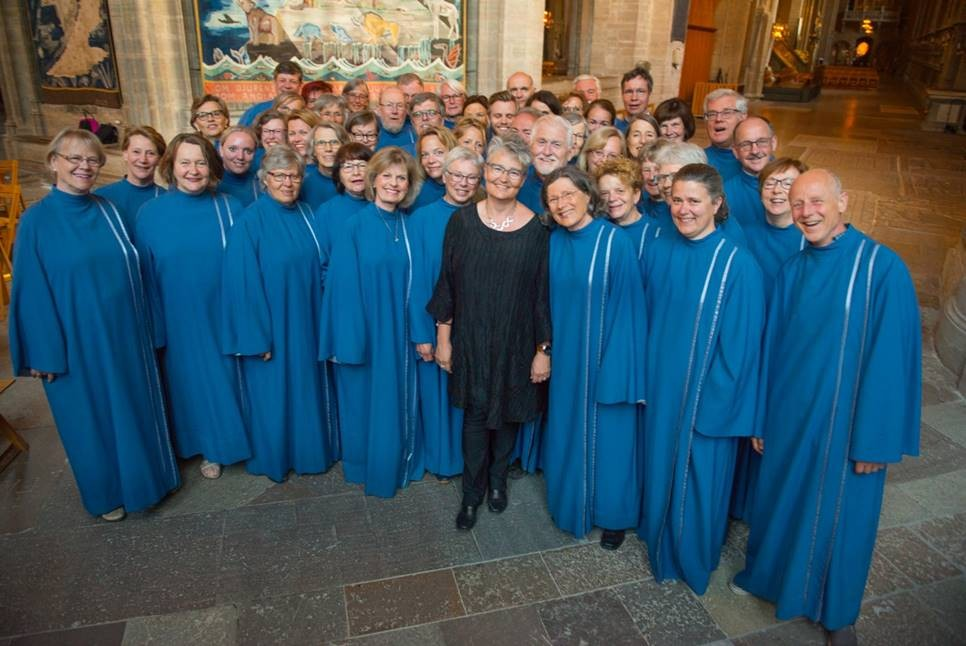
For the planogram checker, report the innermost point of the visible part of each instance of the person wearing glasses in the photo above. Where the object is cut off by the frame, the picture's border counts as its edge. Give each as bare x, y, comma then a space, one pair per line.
356, 94
652, 202
636, 87
492, 313
271, 130
603, 144
426, 111
79, 321
331, 109
238, 146
271, 299
592, 446
442, 423
755, 143
363, 128
453, 94
578, 131
706, 316
181, 237
318, 185
210, 117
433, 145
551, 141
395, 128
724, 109
142, 148
365, 331
573, 103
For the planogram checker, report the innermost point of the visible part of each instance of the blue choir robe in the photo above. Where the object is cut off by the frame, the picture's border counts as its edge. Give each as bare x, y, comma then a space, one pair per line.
78, 310
842, 381
771, 246
744, 199
733, 231
257, 159
271, 299
331, 217
621, 124
592, 443
657, 209
642, 231
431, 192
724, 161
405, 138
245, 187
128, 199
365, 329
316, 187
442, 423
706, 311
181, 239
250, 115
529, 194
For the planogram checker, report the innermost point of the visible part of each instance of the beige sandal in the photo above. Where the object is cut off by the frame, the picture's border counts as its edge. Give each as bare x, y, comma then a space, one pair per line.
115, 515
210, 470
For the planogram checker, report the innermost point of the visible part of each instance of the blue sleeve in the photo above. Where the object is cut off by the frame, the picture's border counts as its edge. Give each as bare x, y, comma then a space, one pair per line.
246, 318
342, 337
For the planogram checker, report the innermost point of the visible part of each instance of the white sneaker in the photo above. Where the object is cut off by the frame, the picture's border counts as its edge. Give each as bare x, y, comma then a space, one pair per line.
210, 470
115, 515
737, 589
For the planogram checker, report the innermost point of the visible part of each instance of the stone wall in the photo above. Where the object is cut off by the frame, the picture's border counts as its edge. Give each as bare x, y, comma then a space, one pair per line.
731, 17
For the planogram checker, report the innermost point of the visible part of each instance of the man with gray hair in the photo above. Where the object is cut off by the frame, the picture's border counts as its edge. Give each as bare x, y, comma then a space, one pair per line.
550, 143
588, 86
843, 360
453, 94
724, 109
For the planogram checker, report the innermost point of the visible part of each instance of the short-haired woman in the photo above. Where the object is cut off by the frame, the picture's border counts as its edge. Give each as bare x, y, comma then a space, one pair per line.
602, 145
363, 128
674, 120
79, 321
619, 184
181, 237
271, 296
210, 117
366, 330
324, 143
431, 149
141, 150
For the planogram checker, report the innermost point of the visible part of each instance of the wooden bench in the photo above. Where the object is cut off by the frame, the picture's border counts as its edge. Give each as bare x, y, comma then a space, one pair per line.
18, 445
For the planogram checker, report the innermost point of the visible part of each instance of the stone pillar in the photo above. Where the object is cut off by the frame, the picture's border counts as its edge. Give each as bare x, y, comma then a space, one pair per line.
508, 38
951, 329
759, 44
731, 18
18, 77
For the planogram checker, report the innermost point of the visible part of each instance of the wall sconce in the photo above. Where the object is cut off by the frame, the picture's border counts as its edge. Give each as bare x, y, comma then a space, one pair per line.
547, 20
778, 30
867, 27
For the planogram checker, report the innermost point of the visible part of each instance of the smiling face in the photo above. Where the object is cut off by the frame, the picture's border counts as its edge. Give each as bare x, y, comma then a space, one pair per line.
665, 178
191, 171
693, 209
287, 83
76, 165
754, 144
619, 198
426, 115
500, 170
390, 187
237, 152
358, 99
568, 204
598, 117
639, 134
611, 150
283, 184
325, 145
352, 174
548, 147
673, 129
635, 95
478, 112
210, 120
720, 120
461, 181
332, 114
774, 193
501, 116
298, 136
431, 153
818, 208
141, 159
273, 133
579, 134
649, 173
472, 139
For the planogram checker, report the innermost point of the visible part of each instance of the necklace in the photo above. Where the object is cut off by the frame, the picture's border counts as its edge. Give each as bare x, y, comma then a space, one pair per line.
394, 232
502, 226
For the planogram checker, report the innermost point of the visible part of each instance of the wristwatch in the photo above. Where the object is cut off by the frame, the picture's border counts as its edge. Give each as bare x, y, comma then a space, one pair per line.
544, 348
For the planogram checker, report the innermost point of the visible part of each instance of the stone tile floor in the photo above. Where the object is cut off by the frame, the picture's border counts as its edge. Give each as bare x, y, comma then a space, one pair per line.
244, 560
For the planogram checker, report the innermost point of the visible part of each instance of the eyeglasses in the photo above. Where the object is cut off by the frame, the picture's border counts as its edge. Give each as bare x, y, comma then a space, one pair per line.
603, 155
450, 97
272, 131
724, 114
353, 166
214, 114
764, 142
327, 142
557, 199
281, 177
512, 173
425, 114
77, 160
460, 178
571, 108
772, 183
359, 95
660, 179
365, 136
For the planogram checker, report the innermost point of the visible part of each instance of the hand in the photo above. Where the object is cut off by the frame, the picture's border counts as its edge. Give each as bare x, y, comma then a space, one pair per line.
540, 368
863, 468
49, 376
425, 351
758, 444
267, 356
444, 356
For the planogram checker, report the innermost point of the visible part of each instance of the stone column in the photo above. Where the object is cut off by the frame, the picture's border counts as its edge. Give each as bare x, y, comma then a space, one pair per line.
759, 43
508, 38
951, 329
18, 75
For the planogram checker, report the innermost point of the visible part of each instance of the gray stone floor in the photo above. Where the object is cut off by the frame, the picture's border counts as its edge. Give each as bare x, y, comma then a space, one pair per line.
244, 560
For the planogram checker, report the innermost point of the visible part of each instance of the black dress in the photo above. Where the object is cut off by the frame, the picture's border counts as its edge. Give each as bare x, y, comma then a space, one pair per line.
494, 286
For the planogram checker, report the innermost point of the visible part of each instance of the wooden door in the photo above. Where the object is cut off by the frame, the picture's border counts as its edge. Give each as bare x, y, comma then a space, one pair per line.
698, 46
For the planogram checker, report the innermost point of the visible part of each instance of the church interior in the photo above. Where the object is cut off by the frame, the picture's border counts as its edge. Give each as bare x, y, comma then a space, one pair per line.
874, 90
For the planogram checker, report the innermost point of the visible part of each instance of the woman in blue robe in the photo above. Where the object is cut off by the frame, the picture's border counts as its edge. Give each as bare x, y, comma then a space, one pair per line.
79, 320
595, 413
365, 330
706, 313
842, 364
772, 243
271, 298
431, 148
442, 423
652, 203
237, 151
142, 148
181, 237
319, 183
619, 183
349, 176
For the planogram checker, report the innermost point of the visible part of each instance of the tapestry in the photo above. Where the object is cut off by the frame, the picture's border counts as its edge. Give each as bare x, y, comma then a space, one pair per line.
75, 52
241, 42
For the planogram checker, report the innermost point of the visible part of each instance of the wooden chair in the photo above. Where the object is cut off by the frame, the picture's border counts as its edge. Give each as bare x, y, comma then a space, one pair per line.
18, 445
9, 171
11, 207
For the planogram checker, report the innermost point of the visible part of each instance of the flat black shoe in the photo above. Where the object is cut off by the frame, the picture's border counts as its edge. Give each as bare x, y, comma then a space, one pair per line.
611, 539
466, 519
497, 501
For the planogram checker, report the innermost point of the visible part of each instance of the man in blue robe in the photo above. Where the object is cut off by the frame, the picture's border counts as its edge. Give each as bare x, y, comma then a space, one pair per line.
287, 78
636, 87
550, 141
843, 373
394, 126
755, 141
724, 109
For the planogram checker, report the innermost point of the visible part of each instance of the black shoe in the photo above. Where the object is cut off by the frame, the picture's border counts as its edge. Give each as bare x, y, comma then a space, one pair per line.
612, 539
497, 501
515, 472
466, 519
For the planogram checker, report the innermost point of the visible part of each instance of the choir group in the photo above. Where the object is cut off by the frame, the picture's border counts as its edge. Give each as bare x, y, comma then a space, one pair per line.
674, 335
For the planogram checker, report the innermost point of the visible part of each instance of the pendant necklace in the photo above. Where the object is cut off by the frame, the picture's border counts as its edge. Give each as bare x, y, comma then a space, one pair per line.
382, 218
507, 221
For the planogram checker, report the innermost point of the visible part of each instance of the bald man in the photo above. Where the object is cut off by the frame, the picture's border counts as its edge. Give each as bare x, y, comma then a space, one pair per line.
843, 372
520, 87
754, 146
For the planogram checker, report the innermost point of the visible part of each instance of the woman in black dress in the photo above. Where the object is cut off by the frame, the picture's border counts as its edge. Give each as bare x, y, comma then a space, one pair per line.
492, 310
